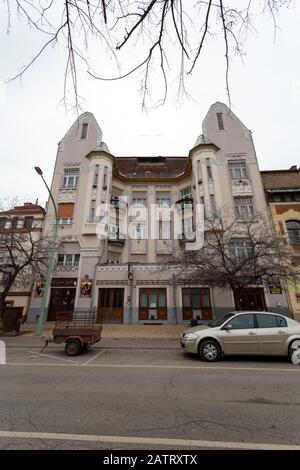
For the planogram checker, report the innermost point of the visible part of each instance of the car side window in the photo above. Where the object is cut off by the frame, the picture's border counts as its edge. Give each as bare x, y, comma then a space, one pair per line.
242, 322
281, 322
267, 321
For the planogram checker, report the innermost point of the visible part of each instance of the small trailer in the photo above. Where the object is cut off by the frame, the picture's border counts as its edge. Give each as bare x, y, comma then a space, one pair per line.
77, 333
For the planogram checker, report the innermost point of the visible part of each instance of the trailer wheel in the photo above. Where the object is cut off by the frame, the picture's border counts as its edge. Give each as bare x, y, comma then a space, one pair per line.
73, 347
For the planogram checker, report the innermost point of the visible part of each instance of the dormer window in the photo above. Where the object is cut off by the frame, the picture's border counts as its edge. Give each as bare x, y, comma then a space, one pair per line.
84, 130
220, 122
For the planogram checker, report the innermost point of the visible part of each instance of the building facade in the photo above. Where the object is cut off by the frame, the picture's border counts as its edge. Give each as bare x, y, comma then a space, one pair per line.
282, 189
24, 221
125, 276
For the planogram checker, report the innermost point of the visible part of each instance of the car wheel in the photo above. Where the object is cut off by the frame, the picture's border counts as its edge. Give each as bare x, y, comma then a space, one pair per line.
294, 348
73, 347
209, 350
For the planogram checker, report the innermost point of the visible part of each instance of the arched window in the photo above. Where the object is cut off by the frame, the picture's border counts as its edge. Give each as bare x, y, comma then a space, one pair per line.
293, 228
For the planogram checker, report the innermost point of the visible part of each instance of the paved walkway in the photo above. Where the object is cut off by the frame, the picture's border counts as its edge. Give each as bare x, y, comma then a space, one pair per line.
113, 336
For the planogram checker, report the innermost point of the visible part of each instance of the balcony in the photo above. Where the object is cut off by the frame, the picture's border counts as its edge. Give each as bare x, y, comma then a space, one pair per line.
117, 203
185, 203
115, 237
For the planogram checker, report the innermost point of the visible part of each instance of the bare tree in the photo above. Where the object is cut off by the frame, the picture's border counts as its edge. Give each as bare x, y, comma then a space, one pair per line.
154, 33
238, 254
23, 255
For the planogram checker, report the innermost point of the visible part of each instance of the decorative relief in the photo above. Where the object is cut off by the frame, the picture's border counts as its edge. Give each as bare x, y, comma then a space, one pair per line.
67, 195
164, 247
241, 187
138, 247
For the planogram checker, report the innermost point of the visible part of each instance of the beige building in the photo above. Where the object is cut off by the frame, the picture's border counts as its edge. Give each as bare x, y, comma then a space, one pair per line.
282, 189
124, 276
26, 219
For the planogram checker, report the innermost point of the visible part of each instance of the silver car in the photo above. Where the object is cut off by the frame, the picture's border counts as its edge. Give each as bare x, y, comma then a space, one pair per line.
256, 333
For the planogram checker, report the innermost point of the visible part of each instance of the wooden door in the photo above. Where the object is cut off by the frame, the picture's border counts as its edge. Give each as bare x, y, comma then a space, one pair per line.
110, 305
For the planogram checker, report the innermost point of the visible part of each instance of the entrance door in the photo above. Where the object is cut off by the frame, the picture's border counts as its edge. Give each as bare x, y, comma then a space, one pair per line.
196, 303
110, 305
61, 302
251, 298
153, 304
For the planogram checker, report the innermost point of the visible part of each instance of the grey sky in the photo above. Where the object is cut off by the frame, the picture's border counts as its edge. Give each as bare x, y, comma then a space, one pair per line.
265, 95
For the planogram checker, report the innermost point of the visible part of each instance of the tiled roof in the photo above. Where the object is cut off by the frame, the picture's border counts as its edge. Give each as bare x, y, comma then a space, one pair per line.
151, 167
27, 208
281, 179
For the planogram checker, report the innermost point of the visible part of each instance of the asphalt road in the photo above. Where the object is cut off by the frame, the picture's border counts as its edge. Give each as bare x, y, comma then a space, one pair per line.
146, 399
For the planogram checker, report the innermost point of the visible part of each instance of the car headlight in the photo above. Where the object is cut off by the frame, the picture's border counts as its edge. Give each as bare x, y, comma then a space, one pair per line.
190, 336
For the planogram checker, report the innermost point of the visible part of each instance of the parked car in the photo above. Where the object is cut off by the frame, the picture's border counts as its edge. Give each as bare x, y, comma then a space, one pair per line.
253, 333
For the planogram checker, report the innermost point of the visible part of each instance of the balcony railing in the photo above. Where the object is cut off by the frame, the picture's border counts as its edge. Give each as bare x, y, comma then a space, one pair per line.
114, 236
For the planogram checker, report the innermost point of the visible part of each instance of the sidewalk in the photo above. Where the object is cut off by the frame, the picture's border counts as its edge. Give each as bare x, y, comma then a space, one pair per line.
113, 336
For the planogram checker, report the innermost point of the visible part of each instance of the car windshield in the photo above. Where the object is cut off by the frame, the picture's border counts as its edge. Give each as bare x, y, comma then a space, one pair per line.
221, 320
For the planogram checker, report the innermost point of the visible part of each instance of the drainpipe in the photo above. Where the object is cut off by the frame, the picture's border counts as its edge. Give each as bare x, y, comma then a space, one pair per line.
174, 298
130, 283
93, 305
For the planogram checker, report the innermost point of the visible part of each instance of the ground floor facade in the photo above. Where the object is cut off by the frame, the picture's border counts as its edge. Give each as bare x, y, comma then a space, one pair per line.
146, 294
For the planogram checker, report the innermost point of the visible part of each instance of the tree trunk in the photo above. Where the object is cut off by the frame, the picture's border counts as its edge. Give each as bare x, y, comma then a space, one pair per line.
4, 293
237, 292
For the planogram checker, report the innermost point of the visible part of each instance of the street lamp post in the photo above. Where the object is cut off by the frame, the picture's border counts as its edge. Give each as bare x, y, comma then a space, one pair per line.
42, 313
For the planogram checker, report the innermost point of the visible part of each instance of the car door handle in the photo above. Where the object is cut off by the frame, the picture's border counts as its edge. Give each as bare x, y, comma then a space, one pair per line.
251, 333
281, 332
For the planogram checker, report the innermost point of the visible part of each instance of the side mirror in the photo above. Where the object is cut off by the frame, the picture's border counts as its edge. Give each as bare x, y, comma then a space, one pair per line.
227, 327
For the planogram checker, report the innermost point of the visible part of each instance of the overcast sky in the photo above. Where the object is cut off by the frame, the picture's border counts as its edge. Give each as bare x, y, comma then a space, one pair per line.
265, 96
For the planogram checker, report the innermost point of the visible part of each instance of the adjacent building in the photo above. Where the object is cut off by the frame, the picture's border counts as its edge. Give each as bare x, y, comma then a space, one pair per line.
282, 189
124, 277
24, 221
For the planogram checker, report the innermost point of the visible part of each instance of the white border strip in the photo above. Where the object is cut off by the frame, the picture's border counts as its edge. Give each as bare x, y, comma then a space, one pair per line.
146, 441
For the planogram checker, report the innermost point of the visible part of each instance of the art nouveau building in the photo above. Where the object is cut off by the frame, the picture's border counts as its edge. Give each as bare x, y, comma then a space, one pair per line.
125, 277
282, 189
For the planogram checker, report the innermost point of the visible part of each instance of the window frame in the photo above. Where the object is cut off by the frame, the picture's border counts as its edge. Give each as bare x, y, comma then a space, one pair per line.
84, 131
72, 176
247, 207
293, 232
234, 167
220, 121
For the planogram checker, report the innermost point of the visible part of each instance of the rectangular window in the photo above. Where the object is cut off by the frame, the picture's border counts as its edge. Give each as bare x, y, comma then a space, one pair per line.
208, 169
152, 304
237, 170
84, 130
2, 222
244, 207
92, 211
70, 179
196, 303
68, 260
186, 193
213, 205
163, 202
239, 249
105, 177
138, 231
65, 213
65, 210
28, 222
20, 223
139, 202
220, 121
95, 180
163, 229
